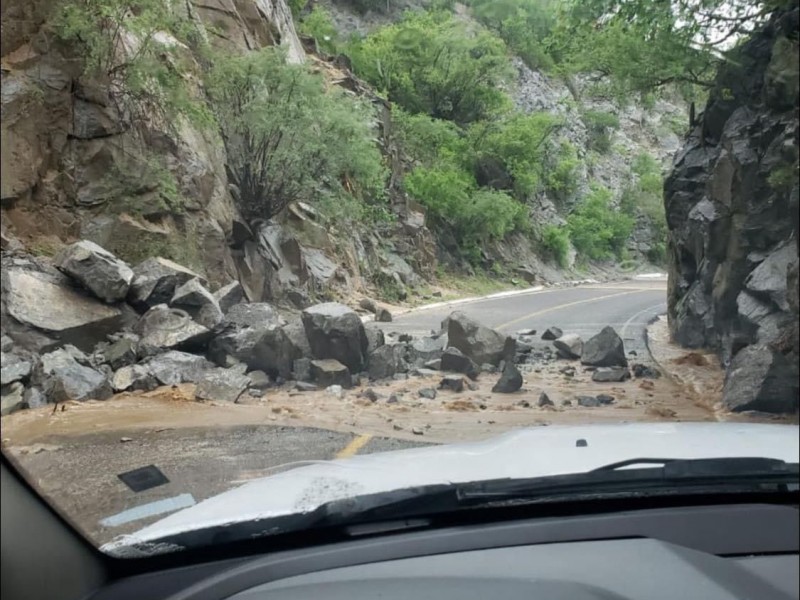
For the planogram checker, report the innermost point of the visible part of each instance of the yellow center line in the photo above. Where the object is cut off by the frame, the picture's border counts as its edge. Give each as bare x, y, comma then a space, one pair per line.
560, 306
354, 446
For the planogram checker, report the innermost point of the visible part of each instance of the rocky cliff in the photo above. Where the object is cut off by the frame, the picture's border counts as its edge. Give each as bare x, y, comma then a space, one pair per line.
732, 212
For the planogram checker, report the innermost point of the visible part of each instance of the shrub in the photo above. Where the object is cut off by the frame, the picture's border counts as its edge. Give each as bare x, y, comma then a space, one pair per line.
597, 231
430, 140
561, 175
600, 124
556, 241
287, 138
318, 24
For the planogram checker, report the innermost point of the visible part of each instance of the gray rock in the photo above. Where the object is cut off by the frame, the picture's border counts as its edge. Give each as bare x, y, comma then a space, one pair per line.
13, 368
224, 385
96, 269
296, 334
425, 349
370, 395
120, 354
12, 398
79, 382
253, 314
383, 316
427, 393
172, 368
769, 278
569, 346
487, 368
163, 328
198, 303
454, 360
34, 398
328, 372
133, 377
605, 399
229, 296
604, 350
6, 343
155, 281
552, 333
259, 380
609, 374
454, 383
645, 372
368, 304
433, 365
763, 380
481, 344
336, 391
375, 337
302, 369
510, 381
588, 401
544, 400
387, 361
335, 331
305, 386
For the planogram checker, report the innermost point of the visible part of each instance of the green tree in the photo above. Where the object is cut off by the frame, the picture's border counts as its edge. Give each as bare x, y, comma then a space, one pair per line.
597, 231
318, 24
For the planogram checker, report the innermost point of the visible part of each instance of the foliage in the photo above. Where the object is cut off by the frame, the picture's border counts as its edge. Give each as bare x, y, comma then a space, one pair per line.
430, 140
561, 174
556, 241
597, 231
643, 197
287, 138
600, 124
297, 6
318, 24
784, 177
432, 63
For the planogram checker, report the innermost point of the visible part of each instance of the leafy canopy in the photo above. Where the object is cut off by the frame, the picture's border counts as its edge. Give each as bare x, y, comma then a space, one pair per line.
598, 231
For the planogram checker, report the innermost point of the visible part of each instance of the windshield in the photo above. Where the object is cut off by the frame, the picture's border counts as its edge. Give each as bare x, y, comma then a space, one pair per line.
261, 258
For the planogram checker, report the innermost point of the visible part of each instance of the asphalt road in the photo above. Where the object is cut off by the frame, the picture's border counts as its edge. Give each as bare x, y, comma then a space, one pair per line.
80, 472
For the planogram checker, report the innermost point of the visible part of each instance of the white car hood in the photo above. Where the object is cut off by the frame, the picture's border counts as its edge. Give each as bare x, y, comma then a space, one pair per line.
523, 453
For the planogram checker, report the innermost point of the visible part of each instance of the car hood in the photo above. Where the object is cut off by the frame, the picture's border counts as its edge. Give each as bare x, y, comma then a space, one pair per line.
534, 452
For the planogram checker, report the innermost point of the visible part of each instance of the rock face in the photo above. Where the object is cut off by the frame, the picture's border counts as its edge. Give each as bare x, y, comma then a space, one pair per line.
761, 379
96, 269
155, 281
604, 350
732, 209
335, 331
481, 344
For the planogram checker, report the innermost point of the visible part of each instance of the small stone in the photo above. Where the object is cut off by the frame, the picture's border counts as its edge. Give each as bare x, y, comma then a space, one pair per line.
383, 316
397, 427
588, 401
524, 404
544, 400
417, 431
510, 381
472, 386
405, 337
605, 399
124, 440
566, 403
428, 393
645, 372
370, 395
611, 374
552, 333
304, 386
434, 365
259, 380
453, 383
393, 399
336, 391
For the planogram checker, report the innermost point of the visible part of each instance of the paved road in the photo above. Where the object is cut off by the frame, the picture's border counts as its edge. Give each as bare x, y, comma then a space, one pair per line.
81, 471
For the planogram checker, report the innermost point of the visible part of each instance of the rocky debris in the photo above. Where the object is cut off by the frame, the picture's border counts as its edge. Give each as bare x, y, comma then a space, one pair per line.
335, 331
252, 314
96, 269
329, 372
427, 393
417, 431
604, 350
225, 385
12, 398
454, 383
305, 386
387, 361
588, 401
368, 304
79, 382
133, 377
605, 399
13, 368
568, 371
569, 346
510, 381
200, 304
120, 354
491, 369
454, 360
382, 315
481, 344
426, 349
472, 386
259, 380
163, 328
544, 400
174, 367
229, 296
370, 394
761, 379
552, 333
611, 374
302, 369
155, 281
645, 372
375, 337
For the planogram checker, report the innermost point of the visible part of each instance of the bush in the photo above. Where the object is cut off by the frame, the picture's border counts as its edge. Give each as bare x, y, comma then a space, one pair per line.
287, 138
434, 64
556, 241
596, 230
561, 177
430, 140
600, 125
318, 24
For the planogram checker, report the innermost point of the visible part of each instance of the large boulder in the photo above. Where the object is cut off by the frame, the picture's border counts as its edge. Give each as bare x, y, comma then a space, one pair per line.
12, 398
457, 362
375, 337
14, 368
604, 350
426, 349
761, 379
569, 346
327, 372
510, 380
386, 361
336, 331
162, 328
121, 353
60, 370
254, 314
225, 385
174, 367
155, 281
99, 271
200, 304
769, 278
481, 344
133, 377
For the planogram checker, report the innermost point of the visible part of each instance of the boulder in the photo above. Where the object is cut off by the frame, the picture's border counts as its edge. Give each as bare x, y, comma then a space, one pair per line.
569, 346
609, 374
454, 383
34, 398
96, 269
229, 296
200, 304
265, 347
427, 393
12, 398
252, 314
296, 334
454, 360
510, 380
301, 368
769, 278
604, 350
425, 349
155, 281
133, 377
387, 361
588, 401
645, 372
259, 380
481, 344
79, 382
163, 328
225, 385
761, 379
368, 304
383, 316
375, 337
544, 400
174, 367
336, 331
552, 333
120, 354
328, 372
14, 368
